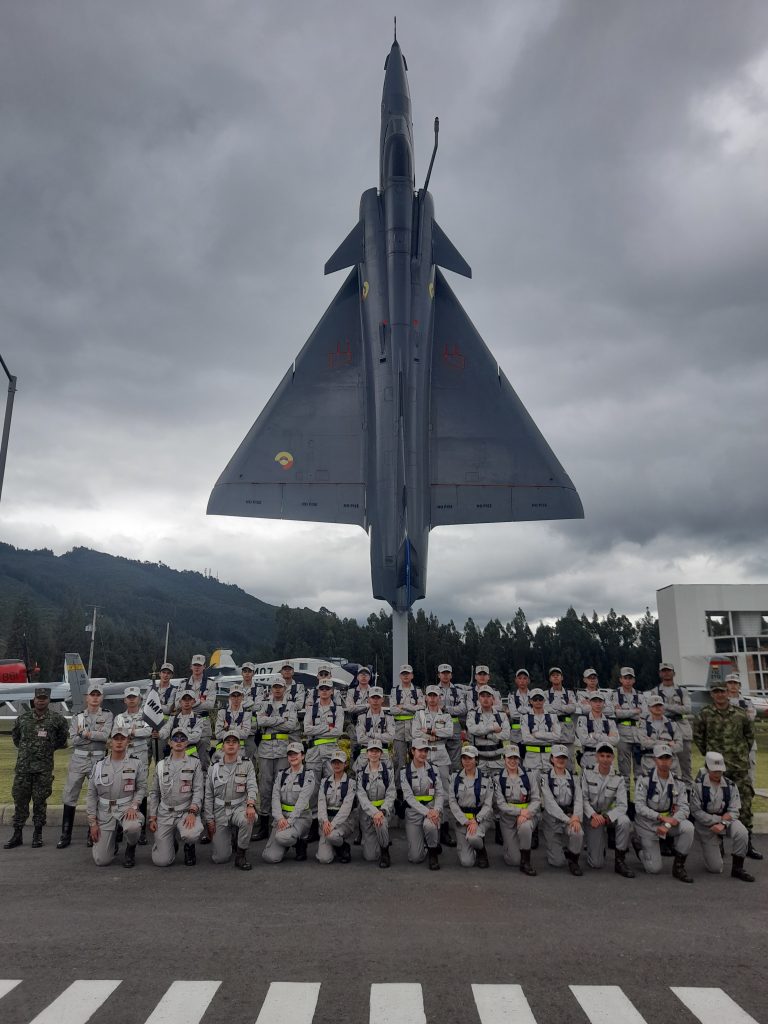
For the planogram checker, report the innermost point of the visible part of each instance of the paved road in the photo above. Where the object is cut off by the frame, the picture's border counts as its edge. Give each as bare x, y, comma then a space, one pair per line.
351, 928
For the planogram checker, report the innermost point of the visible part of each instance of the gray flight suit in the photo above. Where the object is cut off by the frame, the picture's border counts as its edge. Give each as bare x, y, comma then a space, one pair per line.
205, 696
335, 804
584, 705
422, 791
115, 786
383, 728
518, 705
709, 802
85, 750
537, 734
404, 701
229, 788
592, 730
453, 703
167, 697
323, 725
296, 694
629, 710
375, 792
176, 786
650, 732
291, 798
191, 725
277, 723
605, 795
470, 799
481, 726
512, 794
355, 705
138, 732
439, 724
563, 703
678, 708
228, 720
561, 800
472, 700
655, 800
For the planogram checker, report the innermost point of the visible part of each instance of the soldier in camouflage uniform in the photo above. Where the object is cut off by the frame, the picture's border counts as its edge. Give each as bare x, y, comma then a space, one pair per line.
37, 732
721, 727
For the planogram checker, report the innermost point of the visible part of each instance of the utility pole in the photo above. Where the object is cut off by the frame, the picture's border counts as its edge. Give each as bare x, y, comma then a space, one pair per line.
92, 630
7, 422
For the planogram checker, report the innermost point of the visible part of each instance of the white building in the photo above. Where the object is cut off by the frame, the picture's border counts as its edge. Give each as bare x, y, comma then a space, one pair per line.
697, 621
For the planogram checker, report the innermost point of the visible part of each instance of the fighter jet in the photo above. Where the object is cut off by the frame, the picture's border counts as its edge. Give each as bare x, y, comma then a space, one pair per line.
395, 416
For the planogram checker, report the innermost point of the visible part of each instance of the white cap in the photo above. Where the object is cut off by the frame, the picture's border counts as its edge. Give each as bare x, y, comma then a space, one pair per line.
714, 761
406, 668
237, 688
555, 668
197, 659
295, 748
470, 751
511, 750
445, 667
419, 743
132, 691
435, 690
627, 671
523, 672
733, 677
666, 664
588, 672
662, 750
486, 689
375, 691
249, 665
482, 668
95, 688
559, 750
166, 667
536, 692
338, 755
374, 743
324, 670
654, 699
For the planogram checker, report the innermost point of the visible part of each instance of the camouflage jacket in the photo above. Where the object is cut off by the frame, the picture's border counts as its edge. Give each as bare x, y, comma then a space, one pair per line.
729, 732
37, 736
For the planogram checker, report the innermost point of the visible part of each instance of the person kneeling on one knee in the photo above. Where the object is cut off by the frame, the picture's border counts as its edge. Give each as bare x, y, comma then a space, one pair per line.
470, 796
230, 802
715, 804
661, 810
117, 786
335, 801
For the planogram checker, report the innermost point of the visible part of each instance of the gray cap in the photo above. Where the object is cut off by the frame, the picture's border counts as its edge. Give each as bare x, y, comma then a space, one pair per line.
587, 673
187, 692
597, 695
667, 664
536, 692
337, 754
559, 750
95, 688
662, 750
132, 691
324, 670
433, 689
180, 729
653, 699
249, 665
237, 688
166, 667
286, 664
445, 667
374, 743
479, 669
364, 670
406, 668
197, 659
324, 684
604, 746
230, 732
277, 681
555, 668
469, 751
511, 750
120, 730
295, 748
419, 743
523, 672
733, 677
627, 671
375, 691
717, 684
714, 761
486, 689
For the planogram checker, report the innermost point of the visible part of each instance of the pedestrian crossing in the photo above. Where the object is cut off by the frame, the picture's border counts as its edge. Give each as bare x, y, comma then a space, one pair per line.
187, 1002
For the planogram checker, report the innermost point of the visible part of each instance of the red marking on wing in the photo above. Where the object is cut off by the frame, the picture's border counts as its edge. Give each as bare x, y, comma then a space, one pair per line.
453, 357
342, 356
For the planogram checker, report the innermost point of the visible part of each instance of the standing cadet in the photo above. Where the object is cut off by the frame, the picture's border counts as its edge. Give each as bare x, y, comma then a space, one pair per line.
435, 726
726, 729
167, 688
518, 702
291, 812
253, 690
323, 725
470, 797
89, 732
295, 693
356, 703
629, 711
376, 797
116, 789
185, 718
452, 701
518, 803
654, 729
335, 801
175, 801
230, 803
563, 809
715, 806
37, 732
375, 723
591, 729
590, 687
539, 730
661, 812
423, 794
563, 703
604, 793
488, 730
735, 696
404, 701
277, 721
205, 694
233, 718
677, 707
482, 678
139, 733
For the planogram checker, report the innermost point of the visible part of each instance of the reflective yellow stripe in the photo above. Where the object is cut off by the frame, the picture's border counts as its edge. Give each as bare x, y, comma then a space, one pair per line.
538, 749
567, 718
220, 746
521, 806
468, 815
626, 721
331, 739
455, 719
403, 718
191, 750
275, 736
516, 725
288, 807
377, 803
424, 799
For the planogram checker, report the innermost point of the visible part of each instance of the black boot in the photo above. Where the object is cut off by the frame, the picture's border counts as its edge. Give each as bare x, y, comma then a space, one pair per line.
573, 863
190, 857
262, 829
15, 840
400, 805
678, 870
481, 858
301, 849
737, 870
445, 835
89, 839
525, 863
498, 838
314, 832
666, 848
143, 832
204, 838
67, 821
752, 853
37, 837
129, 857
619, 865
118, 838
434, 860
384, 860
345, 853
535, 839
241, 859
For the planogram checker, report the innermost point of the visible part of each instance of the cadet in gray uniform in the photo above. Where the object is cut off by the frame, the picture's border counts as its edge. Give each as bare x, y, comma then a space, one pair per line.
715, 804
117, 786
291, 812
677, 707
604, 793
539, 730
139, 736
277, 722
488, 730
230, 803
185, 718
590, 687
233, 718
89, 732
563, 703
175, 801
205, 702
655, 729
335, 801
628, 707
323, 726
253, 689
404, 700
452, 701
435, 726
593, 728
470, 797
296, 694
423, 794
563, 810
376, 797
356, 702
518, 803
375, 723
661, 810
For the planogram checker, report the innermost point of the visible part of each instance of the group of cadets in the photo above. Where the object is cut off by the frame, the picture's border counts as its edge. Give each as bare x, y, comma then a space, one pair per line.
455, 763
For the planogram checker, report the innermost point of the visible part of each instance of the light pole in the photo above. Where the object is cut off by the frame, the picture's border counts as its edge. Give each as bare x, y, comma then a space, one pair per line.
7, 422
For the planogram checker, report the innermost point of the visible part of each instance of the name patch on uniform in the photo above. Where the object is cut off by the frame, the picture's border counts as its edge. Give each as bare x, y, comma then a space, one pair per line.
42, 733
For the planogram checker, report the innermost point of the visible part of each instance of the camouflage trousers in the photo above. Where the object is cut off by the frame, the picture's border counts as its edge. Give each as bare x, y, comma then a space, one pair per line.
34, 786
746, 792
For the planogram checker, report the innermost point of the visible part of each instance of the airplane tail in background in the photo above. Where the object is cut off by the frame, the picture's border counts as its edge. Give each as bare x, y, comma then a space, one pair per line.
222, 660
77, 677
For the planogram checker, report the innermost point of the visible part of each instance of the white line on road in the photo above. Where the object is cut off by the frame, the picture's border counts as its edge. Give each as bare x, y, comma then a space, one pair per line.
76, 1004
6, 986
606, 1004
397, 1004
502, 1004
712, 1006
289, 1002
185, 1002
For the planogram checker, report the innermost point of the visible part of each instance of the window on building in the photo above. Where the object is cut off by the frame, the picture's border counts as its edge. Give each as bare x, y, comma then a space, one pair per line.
725, 645
719, 624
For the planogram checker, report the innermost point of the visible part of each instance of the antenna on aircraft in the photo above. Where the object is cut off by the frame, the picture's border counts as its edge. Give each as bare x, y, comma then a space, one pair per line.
434, 151
395, 28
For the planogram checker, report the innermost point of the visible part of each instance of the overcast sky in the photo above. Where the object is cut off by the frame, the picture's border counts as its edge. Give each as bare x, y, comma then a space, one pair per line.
173, 175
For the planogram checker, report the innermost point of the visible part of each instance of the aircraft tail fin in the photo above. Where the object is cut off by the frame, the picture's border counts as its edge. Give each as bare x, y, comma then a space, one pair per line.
350, 252
77, 677
445, 254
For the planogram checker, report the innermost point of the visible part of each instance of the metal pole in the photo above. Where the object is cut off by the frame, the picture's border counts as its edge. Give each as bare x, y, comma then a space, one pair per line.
93, 641
399, 641
165, 653
7, 421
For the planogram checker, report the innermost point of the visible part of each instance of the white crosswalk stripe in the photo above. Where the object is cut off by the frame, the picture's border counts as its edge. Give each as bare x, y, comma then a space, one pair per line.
712, 1006
6, 986
397, 1004
77, 1004
502, 1004
289, 1003
606, 1004
185, 1002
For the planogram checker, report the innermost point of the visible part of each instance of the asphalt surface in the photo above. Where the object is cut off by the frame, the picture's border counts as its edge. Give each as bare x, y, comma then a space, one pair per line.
350, 926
